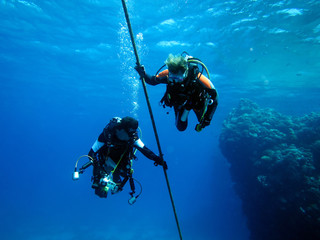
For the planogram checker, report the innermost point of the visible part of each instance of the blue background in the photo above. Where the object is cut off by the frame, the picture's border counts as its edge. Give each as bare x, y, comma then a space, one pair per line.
67, 68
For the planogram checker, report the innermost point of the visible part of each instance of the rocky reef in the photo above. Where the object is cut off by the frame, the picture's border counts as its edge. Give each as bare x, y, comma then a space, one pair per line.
275, 166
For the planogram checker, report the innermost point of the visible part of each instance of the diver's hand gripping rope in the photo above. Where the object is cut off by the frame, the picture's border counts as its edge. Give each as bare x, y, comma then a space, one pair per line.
150, 112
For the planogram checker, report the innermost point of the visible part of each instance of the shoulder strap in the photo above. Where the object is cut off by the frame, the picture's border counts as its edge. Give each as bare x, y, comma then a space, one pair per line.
109, 129
193, 71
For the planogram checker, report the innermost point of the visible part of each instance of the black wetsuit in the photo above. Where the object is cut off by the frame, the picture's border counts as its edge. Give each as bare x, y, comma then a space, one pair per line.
110, 153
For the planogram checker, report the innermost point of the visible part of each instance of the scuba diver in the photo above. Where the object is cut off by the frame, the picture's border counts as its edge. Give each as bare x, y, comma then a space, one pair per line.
187, 89
111, 156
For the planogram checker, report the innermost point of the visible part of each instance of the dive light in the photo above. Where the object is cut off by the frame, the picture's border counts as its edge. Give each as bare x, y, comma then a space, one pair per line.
132, 200
75, 175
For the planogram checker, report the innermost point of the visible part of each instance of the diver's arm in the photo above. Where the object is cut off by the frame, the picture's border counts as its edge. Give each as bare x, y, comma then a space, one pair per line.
95, 148
213, 94
92, 155
212, 101
211, 108
138, 144
98, 144
205, 82
155, 80
209, 87
210, 111
152, 80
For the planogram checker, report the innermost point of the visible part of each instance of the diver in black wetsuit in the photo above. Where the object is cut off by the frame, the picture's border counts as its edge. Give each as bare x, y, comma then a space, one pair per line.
113, 151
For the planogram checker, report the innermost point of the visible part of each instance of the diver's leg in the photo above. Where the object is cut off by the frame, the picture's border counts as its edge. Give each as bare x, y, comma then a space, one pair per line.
116, 177
181, 118
98, 171
101, 192
96, 175
98, 188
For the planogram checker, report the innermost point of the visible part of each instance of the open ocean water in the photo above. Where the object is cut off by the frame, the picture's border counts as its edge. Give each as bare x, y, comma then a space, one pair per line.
66, 68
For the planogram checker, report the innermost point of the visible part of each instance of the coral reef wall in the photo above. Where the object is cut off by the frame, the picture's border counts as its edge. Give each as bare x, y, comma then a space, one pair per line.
275, 166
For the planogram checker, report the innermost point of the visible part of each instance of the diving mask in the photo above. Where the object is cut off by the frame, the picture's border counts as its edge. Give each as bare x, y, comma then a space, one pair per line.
177, 77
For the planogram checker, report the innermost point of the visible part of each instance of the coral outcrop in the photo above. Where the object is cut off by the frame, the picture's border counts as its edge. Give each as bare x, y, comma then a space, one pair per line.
275, 166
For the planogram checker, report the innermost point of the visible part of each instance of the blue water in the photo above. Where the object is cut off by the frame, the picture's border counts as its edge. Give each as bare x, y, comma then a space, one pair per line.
66, 68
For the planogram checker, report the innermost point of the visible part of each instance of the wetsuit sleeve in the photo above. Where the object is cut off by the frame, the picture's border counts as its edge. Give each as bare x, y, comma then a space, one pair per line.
98, 144
207, 84
211, 110
213, 94
146, 151
162, 77
213, 103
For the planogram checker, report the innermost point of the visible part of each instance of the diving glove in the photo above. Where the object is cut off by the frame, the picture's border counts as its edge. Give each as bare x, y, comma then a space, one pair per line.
141, 71
159, 161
